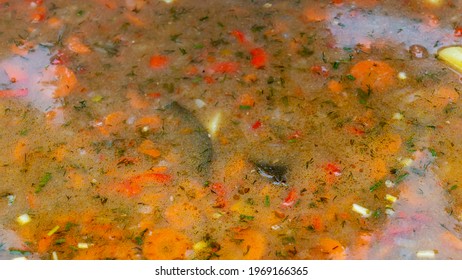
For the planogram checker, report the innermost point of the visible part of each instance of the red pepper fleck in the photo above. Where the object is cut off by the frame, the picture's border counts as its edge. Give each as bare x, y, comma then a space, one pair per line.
290, 199
458, 32
332, 168
225, 67
209, 80
320, 70
239, 36
256, 125
297, 134
354, 130
259, 58
153, 95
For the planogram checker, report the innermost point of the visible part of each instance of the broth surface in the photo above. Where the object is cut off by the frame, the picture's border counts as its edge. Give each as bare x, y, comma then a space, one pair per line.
142, 129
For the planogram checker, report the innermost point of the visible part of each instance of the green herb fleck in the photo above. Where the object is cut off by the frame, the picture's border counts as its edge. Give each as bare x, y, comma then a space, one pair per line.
198, 46
376, 186
267, 201
43, 181
244, 218
401, 178
350, 77
377, 213
245, 107
257, 28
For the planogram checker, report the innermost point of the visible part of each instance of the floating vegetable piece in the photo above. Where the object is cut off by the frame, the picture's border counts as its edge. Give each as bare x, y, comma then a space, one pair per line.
452, 56
196, 149
366, 213
23, 219
166, 244
276, 173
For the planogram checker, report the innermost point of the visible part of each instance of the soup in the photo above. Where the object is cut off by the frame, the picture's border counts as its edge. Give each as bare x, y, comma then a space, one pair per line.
186, 129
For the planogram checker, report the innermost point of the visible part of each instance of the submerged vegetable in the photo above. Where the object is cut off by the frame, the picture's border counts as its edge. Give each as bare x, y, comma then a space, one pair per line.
452, 56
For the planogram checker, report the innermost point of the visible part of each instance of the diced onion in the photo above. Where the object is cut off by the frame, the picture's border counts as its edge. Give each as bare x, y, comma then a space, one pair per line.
23, 219
426, 254
199, 246
389, 212
390, 198
199, 103
402, 76
361, 210
398, 116
81, 245
406, 162
54, 255
389, 184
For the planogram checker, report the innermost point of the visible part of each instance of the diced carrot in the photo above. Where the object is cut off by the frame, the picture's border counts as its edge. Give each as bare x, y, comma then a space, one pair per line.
151, 121
192, 70
158, 61
63, 78
54, 22
317, 223
209, 80
31, 200
77, 180
135, 20
246, 244
75, 45
114, 119
44, 244
335, 86
389, 144
147, 147
378, 169
14, 92
182, 215
38, 14
137, 101
239, 36
259, 58
373, 75
354, 130
250, 78
227, 67
332, 247
315, 13
166, 244
128, 188
246, 100
150, 178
